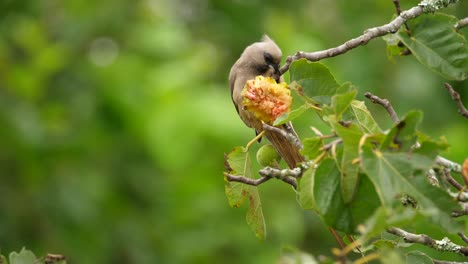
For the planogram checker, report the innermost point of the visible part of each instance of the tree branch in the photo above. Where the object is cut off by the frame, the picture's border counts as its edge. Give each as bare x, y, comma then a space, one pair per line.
385, 103
448, 177
463, 237
287, 175
425, 6
450, 165
362, 40
396, 3
456, 97
245, 180
461, 23
462, 212
447, 262
441, 161
442, 245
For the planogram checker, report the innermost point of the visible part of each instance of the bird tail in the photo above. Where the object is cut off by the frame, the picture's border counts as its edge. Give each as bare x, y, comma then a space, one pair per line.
286, 149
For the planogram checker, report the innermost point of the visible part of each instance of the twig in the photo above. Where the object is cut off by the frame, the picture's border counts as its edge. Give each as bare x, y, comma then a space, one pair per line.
463, 237
448, 177
289, 136
459, 196
441, 161
443, 245
452, 166
385, 103
331, 144
286, 175
369, 34
462, 212
397, 6
277, 173
456, 97
398, 11
435, 261
246, 180
432, 178
461, 23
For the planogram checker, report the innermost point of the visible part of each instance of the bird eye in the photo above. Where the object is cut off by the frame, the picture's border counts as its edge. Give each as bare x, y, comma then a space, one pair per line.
268, 58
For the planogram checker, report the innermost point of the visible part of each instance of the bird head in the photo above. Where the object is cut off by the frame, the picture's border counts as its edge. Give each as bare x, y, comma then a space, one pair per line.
264, 58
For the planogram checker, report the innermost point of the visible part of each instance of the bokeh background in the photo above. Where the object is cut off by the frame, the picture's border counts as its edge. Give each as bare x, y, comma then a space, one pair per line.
114, 117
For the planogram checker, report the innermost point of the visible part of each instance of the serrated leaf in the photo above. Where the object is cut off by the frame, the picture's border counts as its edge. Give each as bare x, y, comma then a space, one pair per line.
289, 116
341, 102
23, 257
397, 174
402, 136
364, 118
254, 215
350, 135
312, 147
436, 44
236, 192
418, 257
318, 84
238, 163
385, 217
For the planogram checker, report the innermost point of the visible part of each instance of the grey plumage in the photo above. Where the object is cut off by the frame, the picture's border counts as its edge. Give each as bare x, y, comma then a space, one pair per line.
261, 58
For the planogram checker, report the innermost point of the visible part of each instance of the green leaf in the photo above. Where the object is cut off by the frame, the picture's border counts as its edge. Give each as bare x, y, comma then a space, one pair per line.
254, 216
289, 116
327, 196
312, 147
436, 44
329, 201
350, 135
3, 260
24, 257
395, 175
364, 118
341, 101
418, 257
393, 47
238, 163
391, 257
305, 192
291, 255
317, 82
385, 217
402, 136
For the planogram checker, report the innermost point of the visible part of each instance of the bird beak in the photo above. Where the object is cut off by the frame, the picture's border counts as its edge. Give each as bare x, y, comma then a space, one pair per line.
276, 73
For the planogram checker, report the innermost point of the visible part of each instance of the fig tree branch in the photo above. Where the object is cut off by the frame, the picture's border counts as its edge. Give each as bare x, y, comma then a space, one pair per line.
396, 3
425, 6
441, 161
456, 97
385, 103
245, 180
461, 23
463, 237
442, 245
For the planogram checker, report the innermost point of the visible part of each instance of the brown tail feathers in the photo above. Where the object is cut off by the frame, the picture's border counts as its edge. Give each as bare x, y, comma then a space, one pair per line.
288, 151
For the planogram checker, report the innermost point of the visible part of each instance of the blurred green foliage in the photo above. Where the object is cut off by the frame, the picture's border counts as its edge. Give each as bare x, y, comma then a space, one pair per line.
114, 117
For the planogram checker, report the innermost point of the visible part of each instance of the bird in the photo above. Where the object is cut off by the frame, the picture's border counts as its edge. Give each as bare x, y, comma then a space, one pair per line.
262, 58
